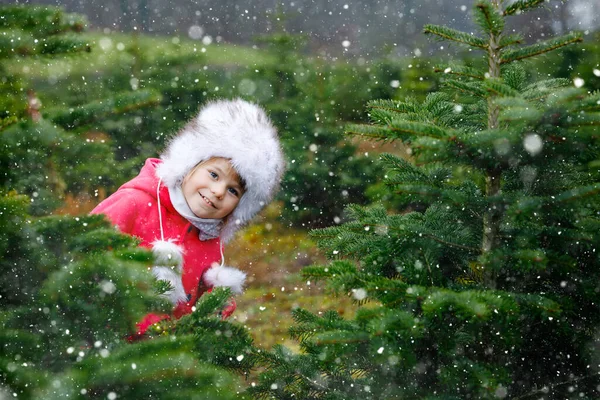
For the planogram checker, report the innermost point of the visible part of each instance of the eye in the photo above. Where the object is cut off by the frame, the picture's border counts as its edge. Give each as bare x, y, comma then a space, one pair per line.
213, 174
234, 192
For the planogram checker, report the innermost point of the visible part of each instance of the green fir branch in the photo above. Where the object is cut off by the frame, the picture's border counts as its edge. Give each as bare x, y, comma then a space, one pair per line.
584, 119
521, 6
326, 272
540, 48
572, 381
578, 193
589, 103
341, 337
460, 70
455, 35
515, 111
209, 304
369, 131
62, 45
401, 129
303, 316
405, 170
41, 20
540, 89
450, 243
394, 106
99, 240
515, 76
120, 104
473, 88
510, 40
497, 87
6, 122
488, 18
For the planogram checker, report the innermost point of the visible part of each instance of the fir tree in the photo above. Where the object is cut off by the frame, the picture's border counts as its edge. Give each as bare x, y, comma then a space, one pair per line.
73, 288
491, 289
322, 172
46, 150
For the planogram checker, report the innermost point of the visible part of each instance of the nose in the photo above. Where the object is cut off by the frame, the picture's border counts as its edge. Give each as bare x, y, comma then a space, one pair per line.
218, 189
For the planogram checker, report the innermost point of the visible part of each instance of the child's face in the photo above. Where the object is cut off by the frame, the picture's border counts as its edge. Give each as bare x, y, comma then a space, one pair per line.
212, 190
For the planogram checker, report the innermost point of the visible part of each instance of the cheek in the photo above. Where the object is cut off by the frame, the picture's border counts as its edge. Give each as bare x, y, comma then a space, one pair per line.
233, 204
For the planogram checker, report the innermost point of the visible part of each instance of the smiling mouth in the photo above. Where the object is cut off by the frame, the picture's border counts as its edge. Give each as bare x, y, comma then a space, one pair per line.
207, 201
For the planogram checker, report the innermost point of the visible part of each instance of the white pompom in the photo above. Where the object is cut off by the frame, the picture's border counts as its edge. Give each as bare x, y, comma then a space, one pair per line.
167, 253
177, 294
229, 277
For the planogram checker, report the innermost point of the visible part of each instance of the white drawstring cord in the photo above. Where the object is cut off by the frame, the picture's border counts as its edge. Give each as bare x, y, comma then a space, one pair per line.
222, 256
162, 235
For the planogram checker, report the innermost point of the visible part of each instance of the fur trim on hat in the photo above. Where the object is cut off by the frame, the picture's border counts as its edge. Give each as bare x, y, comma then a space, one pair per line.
229, 277
167, 253
236, 130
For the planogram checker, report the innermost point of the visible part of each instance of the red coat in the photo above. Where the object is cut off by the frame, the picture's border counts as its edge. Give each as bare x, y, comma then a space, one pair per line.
133, 209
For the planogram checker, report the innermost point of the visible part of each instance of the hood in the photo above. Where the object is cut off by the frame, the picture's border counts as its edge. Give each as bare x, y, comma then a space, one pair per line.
240, 131
147, 181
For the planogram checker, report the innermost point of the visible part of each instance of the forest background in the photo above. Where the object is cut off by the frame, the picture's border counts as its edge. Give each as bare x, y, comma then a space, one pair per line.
145, 71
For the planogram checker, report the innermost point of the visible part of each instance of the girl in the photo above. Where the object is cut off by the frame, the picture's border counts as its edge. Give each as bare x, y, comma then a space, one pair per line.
216, 174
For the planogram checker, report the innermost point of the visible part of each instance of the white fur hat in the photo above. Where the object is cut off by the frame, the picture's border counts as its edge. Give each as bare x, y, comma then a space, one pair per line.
237, 130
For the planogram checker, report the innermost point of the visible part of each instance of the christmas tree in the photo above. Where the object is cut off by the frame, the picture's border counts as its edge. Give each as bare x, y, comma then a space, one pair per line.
72, 288
484, 281
324, 172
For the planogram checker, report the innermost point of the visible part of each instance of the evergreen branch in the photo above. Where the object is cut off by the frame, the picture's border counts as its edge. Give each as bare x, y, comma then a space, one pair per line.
341, 337
579, 193
16, 42
450, 244
460, 70
521, 5
466, 87
540, 90
41, 20
420, 129
302, 316
99, 240
517, 113
210, 303
515, 76
369, 131
400, 129
406, 170
122, 103
302, 333
139, 254
6, 122
554, 385
338, 267
510, 40
497, 87
589, 103
428, 266
540, 48
584, 120
548, 84
393, 105
63, 45
455, 35
488, 18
